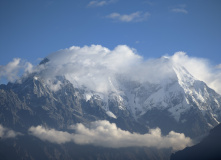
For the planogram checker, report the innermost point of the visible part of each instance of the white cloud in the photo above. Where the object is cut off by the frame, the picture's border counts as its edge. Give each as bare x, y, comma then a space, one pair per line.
106, 134
92, 66
10, 71
133, 17
51, 135
100, 3
7, 133
13, 69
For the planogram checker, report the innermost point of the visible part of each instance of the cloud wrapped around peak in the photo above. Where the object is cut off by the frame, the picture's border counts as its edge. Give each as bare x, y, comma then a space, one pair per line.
106, 134
92, 66
98, 68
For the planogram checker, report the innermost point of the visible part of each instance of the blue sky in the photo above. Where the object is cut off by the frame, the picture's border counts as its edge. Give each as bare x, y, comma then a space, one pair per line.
32, 29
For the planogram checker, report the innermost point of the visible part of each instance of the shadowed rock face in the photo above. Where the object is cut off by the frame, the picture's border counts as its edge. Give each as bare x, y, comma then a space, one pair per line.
28, 147
208, 148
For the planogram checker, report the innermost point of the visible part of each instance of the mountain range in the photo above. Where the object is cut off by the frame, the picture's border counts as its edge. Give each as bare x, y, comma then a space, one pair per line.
175, 101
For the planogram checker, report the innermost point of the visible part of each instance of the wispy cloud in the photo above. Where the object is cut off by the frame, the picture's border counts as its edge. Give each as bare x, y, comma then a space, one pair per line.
100, 3
148, 2
106, 134
7, 133
133, 17
179, 9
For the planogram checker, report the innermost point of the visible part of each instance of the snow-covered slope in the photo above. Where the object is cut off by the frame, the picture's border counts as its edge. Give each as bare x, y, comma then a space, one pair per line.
176, 94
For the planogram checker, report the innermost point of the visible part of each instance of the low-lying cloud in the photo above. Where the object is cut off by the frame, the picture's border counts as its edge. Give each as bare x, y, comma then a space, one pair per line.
106, 134
7, 133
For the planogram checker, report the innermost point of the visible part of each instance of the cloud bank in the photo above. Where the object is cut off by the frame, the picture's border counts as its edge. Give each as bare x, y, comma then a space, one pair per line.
106, 134
7, 133
133, 17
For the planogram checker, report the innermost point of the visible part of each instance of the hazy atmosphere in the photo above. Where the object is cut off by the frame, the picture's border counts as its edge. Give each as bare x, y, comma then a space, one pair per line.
108, 73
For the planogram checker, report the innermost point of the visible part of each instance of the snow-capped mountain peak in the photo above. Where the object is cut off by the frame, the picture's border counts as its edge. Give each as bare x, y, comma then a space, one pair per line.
159, 87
